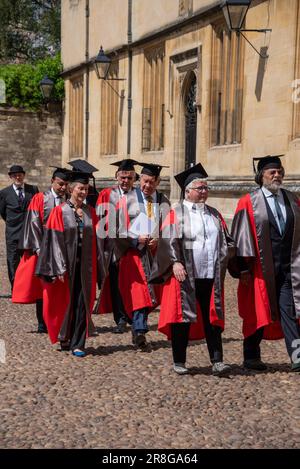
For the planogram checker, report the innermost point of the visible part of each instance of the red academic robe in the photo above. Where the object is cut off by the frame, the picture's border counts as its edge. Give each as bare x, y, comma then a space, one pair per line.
27, 286
58, 258
256, 301
178, 300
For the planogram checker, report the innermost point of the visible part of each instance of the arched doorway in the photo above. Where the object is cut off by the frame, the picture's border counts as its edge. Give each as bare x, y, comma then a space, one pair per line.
190, 111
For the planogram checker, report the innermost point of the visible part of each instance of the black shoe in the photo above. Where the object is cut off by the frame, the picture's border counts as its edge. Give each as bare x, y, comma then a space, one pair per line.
42, 329
295, 367
120, 329
65, 346
254, 364
140, 340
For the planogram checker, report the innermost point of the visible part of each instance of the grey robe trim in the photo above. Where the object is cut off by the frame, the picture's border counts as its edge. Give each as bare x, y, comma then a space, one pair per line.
172, 248
295, 252
265, 249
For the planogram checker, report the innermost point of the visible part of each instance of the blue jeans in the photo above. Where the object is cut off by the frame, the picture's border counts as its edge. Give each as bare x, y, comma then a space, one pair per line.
139, 321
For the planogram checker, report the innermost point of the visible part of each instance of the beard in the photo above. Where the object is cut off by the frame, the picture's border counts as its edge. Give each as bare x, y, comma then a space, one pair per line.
273, 186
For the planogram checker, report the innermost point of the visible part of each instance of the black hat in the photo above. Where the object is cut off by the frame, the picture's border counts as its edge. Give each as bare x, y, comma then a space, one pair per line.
62, 173
79, 176
125, 165
152, 169
187, 176
267, 162
83, 165
15, 169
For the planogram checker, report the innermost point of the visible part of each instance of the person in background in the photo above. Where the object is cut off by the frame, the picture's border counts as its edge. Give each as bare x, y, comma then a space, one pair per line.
106, 209
146, 210
27, 286
14, 201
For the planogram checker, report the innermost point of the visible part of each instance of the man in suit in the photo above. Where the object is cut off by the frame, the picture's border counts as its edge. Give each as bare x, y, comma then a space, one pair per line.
266, 229
14, 201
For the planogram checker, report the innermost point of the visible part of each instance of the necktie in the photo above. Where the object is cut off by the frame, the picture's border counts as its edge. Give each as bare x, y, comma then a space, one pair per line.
20, 196
58, 200
279, 214
150, 206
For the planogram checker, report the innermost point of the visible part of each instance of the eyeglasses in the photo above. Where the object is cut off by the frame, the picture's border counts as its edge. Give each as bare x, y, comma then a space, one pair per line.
201, 188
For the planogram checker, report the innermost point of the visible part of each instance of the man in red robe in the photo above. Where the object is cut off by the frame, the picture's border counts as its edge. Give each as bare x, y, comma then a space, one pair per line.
191, 260
266, 229
107, 206
27, 286
141, 216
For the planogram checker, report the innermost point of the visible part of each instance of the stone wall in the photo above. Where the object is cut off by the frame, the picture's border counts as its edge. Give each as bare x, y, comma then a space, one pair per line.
32, 140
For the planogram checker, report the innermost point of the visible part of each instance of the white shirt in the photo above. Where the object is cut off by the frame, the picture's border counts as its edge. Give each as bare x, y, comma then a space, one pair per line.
205, 238
57, 199
16, 189
271, 202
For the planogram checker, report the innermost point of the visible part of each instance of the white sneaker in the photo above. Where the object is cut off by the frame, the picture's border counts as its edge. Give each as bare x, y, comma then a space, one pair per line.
220, 368
180, 368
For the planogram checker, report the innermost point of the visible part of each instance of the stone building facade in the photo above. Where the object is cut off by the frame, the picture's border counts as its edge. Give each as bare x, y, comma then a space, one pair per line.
183, 89
32, 140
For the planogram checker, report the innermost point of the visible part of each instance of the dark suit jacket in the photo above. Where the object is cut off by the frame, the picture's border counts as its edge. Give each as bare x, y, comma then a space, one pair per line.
281, 244
12, 213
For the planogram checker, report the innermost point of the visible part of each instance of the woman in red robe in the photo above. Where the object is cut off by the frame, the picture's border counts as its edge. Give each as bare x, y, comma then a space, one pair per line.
68, 266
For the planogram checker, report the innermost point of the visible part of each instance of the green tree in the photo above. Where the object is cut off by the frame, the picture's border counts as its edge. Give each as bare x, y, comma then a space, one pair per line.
22, 82
29, 29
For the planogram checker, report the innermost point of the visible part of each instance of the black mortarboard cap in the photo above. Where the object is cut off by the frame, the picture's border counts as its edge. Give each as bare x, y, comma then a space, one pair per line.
125, 165
187, 176
62, 173
16, 169
83, 165
79, 176
267, 162
152, 169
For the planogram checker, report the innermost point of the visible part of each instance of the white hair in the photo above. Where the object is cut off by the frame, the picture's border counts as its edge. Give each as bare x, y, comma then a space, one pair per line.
191, 184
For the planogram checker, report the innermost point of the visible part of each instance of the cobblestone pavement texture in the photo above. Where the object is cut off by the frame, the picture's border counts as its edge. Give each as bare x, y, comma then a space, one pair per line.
117, 397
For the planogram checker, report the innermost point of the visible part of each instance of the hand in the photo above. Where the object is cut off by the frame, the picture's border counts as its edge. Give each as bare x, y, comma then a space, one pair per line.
61, 278
179, 272
246, 278
153, 243
143, 239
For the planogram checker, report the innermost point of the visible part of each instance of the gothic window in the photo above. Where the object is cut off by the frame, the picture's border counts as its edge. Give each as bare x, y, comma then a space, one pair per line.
76, 117
153, 100
226, 87
109, 112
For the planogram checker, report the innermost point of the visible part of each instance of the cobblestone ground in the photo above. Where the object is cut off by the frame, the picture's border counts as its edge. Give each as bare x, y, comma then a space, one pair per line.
117, 397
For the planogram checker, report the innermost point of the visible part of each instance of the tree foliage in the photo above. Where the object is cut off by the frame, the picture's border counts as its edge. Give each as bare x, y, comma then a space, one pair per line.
29, 29
22, 82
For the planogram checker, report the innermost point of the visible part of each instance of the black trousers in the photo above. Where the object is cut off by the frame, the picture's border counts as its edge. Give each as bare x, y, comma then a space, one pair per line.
13, 257
180, 331
79, 321
289, 324
120, 317
39, 314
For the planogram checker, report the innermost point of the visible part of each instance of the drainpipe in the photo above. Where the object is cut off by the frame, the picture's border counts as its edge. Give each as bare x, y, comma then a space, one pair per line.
87, 86
129, 100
